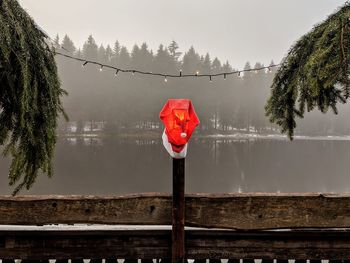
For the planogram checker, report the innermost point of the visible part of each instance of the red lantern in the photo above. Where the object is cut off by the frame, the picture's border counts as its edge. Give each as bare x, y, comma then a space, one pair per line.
180, 120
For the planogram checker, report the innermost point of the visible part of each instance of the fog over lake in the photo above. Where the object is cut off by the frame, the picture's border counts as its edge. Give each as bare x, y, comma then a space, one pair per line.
115, 146
120, 166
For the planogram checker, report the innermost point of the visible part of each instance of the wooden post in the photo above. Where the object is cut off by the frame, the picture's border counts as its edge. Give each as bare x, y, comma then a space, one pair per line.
178, 211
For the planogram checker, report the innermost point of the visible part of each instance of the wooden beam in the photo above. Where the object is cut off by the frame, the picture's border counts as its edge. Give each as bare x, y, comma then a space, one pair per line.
233, 211
200, 244
178, 212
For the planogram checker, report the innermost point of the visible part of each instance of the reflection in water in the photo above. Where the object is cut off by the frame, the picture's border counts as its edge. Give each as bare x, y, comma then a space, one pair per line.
107, 165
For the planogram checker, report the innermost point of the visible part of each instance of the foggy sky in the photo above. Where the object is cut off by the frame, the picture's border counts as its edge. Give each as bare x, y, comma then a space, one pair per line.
233, 30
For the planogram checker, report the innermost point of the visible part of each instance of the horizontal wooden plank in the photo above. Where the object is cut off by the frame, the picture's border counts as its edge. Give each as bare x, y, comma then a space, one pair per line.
233, 211
200, 244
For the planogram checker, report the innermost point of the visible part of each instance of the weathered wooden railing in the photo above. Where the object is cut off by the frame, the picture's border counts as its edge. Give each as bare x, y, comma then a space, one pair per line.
228, 226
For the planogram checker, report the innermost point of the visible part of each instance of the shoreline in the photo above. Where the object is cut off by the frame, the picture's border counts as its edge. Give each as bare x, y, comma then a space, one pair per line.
235, 136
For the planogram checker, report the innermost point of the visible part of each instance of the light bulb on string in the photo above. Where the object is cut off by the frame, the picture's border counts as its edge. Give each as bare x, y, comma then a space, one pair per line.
210, 79
116, 73
165, 79
240, 73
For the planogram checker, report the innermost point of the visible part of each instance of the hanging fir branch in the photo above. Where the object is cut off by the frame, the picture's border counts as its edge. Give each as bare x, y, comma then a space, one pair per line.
315, 73
29, 96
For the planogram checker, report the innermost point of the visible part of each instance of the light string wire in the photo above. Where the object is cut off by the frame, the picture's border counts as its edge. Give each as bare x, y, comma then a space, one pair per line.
166, 76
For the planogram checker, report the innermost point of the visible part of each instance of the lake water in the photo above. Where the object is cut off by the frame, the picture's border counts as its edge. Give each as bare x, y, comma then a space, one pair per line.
120, 166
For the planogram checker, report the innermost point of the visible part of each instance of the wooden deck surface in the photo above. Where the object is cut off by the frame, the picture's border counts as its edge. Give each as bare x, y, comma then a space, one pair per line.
229, 226
156, 243
231, 211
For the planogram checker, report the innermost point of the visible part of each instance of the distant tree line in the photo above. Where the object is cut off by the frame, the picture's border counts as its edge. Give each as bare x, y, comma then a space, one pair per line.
131, 103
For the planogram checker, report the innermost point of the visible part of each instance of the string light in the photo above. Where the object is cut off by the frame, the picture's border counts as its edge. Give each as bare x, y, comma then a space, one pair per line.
180, 75
116, 73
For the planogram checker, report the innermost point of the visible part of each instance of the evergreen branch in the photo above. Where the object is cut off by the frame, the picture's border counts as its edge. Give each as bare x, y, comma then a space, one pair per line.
29, 96
315, 73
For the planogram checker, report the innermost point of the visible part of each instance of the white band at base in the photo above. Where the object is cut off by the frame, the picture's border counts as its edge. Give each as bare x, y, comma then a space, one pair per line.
169, 149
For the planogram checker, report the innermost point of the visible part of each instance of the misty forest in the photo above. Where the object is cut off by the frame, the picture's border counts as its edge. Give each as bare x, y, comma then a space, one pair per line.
125, 103
78, 117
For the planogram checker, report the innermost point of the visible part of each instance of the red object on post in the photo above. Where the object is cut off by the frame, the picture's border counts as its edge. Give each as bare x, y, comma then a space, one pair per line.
180, 120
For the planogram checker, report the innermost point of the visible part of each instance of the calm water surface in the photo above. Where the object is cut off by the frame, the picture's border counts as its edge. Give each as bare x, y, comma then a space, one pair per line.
120, 166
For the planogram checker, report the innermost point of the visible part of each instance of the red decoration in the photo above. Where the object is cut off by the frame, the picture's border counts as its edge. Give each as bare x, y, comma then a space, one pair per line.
180, 120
